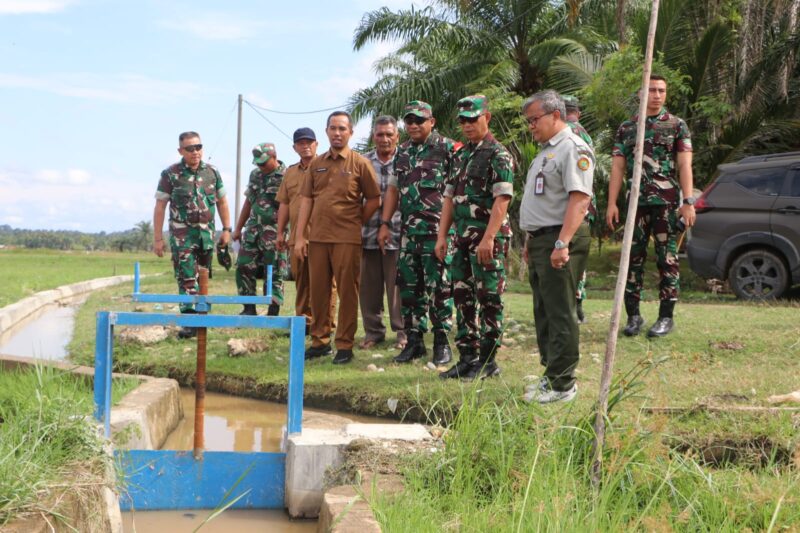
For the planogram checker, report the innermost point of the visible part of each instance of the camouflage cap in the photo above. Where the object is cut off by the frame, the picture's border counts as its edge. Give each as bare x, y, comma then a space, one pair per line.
473, 106
571, 102
262, 152
418, 108
224, 256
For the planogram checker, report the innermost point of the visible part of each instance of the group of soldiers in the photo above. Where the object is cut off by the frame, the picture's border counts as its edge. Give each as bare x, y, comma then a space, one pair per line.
425, 224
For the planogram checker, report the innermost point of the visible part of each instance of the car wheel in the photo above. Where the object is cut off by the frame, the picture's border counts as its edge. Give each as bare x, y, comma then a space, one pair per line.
758, 275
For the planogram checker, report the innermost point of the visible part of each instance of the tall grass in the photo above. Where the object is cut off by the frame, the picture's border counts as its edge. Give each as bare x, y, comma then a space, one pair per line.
513, 467
45, 440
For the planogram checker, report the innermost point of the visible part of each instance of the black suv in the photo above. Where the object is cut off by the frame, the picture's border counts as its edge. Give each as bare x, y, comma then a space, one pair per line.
748, 227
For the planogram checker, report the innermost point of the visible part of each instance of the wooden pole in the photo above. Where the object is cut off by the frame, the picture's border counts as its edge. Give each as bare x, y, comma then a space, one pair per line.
200, 379
633, 200
238, 164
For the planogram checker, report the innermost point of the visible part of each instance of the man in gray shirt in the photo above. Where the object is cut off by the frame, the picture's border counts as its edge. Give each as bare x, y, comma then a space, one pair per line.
557, 195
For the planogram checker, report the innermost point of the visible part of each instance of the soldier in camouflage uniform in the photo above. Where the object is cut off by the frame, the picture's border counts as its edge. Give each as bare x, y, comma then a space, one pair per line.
421, 167
666, 177
477, 196
572, 106
193, 190
259, 218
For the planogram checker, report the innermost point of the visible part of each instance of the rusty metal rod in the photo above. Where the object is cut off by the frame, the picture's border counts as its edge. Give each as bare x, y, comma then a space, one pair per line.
200, 378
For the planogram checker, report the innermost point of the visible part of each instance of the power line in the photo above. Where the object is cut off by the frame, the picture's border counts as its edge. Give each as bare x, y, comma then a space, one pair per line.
295, 112
268, 120
224, 129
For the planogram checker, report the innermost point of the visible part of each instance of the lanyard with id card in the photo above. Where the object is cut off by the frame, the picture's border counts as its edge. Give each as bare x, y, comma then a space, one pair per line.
538, 181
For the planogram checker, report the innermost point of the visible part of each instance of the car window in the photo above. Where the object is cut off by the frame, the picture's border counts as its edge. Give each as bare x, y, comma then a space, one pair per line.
794, 183
765, 181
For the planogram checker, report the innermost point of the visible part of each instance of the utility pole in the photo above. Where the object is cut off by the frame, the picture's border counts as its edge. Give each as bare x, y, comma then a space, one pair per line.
238, 164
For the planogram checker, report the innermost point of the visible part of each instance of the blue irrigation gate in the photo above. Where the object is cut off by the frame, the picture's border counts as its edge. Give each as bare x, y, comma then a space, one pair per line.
168, 479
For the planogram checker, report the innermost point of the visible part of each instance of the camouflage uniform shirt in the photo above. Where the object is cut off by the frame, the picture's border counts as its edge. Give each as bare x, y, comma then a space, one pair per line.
192, 195
481, 172
665, 135
262, 192
369, 233
421, 171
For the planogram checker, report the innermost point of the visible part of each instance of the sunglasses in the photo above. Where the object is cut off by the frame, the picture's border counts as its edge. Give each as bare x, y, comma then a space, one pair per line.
192, 148
470, 120
414, 119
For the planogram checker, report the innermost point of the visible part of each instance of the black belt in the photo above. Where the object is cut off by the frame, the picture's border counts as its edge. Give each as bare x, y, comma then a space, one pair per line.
547, 229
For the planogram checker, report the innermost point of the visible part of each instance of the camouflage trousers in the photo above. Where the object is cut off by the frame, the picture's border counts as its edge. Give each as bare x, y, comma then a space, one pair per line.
191, 248
256, 252
477, 292
425, 286
658, 220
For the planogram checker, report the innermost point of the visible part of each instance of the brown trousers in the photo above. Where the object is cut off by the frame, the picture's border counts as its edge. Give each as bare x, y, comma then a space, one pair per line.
302, 301
379, 272
328, 262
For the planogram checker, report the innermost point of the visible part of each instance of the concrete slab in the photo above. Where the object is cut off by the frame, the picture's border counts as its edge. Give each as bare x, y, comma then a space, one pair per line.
155, 406
345, 511
409, 432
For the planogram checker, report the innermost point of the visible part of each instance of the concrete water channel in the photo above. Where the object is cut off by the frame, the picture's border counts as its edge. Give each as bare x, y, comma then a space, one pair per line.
231, 424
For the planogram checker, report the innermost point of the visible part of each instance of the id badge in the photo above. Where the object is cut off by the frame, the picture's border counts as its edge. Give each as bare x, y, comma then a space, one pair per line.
538, 185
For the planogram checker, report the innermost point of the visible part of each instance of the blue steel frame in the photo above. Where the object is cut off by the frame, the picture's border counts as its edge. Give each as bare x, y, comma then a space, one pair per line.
164, 479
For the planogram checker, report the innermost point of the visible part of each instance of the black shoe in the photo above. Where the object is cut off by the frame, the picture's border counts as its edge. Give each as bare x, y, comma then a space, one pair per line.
662, 326
415, 348
343, 357
249, 310
318, 351
579, 312
634, 326
187, 333
465, 362
273, 309
442, 354
482, 371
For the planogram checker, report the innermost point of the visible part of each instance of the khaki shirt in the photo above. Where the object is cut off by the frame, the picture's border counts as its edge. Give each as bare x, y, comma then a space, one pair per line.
289, 193
338, 185
565, 164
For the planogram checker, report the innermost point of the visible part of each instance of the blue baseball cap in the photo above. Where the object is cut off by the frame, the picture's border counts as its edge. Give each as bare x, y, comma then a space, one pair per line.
304, 133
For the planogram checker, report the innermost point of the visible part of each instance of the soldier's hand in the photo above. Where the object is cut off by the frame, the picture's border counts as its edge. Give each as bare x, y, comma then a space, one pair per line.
383, 238
612, 216
689, 215
485, 250
236, 235
224, 238
441, 249
159, 246
280, 242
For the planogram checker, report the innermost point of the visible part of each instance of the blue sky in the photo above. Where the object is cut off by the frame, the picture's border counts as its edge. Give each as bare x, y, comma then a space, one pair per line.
95, 92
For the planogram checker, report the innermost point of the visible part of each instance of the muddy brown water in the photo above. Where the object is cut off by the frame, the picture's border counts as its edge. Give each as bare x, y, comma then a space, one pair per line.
43, 335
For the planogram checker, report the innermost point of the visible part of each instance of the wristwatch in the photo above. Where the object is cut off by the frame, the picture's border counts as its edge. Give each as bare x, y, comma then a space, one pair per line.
387, 223
227, 229
560, 245
689, 200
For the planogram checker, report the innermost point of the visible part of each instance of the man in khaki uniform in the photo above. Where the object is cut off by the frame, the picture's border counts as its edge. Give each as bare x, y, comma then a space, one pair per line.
305, 144
340, 194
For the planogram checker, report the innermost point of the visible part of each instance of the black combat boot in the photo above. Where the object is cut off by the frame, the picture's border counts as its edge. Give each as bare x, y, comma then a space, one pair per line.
415, 348
466, 358
249, 310
664, 324
441, 348
187, 332
484, 367
273, 309
635, 320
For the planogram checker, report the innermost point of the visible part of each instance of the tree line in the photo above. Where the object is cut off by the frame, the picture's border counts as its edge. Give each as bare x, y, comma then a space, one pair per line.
140, 237
733, 69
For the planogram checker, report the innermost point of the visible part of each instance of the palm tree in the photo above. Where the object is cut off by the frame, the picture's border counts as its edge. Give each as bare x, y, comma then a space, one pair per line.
144, 234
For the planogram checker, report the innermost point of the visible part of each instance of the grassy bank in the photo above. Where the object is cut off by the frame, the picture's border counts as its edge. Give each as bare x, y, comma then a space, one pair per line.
26, 272
45, 440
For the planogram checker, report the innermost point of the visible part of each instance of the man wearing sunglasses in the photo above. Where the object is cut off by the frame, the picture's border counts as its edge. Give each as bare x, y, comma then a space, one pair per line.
421, 168
476, 198
194, 190
259, 218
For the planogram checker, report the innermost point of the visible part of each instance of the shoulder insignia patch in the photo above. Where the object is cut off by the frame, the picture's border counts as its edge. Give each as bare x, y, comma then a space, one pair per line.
584, 163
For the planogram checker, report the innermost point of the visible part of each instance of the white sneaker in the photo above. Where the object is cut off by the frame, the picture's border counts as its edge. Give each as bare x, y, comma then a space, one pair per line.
548, 395
538, 385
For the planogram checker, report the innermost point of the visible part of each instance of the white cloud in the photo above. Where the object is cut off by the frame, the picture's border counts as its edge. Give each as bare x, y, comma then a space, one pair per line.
120, 88
73, 176
216, 26
19, 7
